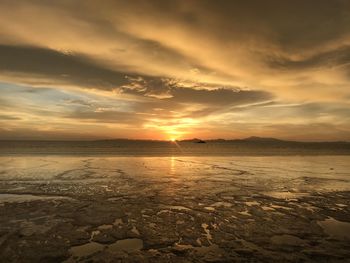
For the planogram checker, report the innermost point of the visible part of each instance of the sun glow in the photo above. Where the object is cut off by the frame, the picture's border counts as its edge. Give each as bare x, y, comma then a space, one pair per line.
173, 129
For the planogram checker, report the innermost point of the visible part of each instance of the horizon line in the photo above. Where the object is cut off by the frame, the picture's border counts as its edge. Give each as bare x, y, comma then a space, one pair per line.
250, 138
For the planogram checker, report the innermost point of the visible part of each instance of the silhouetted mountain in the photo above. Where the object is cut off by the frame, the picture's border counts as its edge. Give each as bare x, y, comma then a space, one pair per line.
194, 140
261, 139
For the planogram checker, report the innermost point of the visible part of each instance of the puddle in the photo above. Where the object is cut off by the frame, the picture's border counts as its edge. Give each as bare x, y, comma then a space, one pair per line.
29, 228
245, 213
128, 245
307, 206
341, 205
183, 247
212, 250
267, 208
285, 195
163, 211
281, 207
177, 207
251, 203
222, 204
250, 245
288, 240
19, 198
336, 229
105, 227
86, 249
112, 199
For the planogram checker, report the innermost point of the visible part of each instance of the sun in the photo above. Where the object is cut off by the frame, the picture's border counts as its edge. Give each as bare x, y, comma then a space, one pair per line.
173, 139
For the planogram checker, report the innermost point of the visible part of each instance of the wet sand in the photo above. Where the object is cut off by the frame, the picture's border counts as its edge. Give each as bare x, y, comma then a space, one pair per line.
175, 209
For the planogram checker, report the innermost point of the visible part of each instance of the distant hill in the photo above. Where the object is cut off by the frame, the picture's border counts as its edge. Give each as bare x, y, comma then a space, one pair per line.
261, 139
266, 140
253, 140
195, 140
248, 140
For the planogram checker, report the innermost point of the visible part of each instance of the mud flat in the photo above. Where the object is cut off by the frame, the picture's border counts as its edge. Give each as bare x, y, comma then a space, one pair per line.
183, 209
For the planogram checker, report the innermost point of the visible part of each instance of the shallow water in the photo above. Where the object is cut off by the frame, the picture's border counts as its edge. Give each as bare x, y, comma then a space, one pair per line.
86, 249
127, 245
174, 208
287, 240
336, 229
21, 198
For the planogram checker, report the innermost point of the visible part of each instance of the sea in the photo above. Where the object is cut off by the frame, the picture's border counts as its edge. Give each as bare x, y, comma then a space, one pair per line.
177, 148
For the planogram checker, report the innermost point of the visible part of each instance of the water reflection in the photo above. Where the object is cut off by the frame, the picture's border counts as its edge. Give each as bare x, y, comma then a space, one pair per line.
172, 165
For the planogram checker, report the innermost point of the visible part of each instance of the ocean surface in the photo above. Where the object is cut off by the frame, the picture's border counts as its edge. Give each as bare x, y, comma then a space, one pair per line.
164, 148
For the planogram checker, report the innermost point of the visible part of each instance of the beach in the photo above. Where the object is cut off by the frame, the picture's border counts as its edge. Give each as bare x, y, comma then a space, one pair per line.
60, 208
175, 131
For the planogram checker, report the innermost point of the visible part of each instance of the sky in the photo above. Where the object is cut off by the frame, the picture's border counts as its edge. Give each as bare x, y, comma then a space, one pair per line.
158, 69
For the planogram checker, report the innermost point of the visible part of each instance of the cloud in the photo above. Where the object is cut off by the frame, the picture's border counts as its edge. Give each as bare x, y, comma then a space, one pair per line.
175, 66
228, 43
172, 91
310, 132
7, 117
107, 116
35, 134
329, 59
59, 67
220, 97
